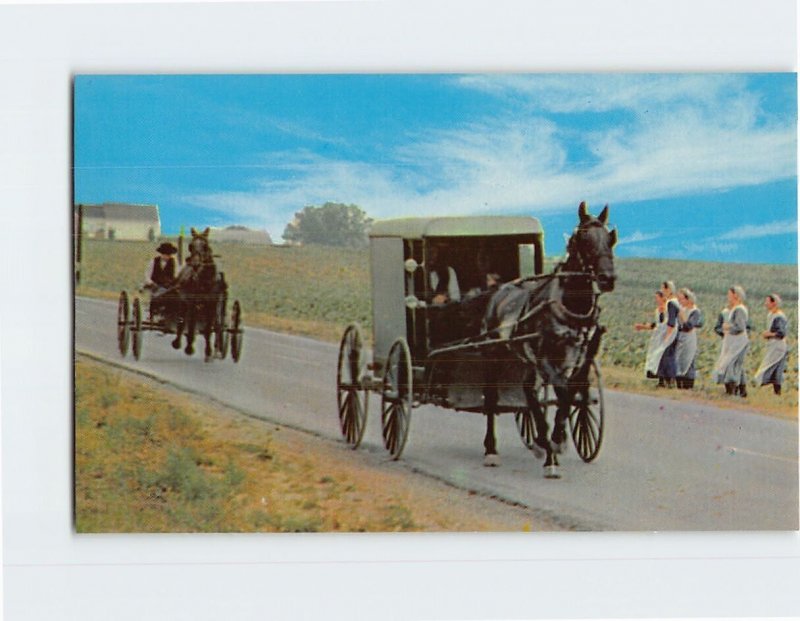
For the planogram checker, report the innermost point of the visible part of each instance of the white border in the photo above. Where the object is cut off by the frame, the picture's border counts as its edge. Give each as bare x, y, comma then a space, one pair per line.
50, 573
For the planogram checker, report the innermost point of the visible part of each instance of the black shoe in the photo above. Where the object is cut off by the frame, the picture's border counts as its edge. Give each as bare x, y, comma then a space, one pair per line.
729, 388
742, 391
776, 388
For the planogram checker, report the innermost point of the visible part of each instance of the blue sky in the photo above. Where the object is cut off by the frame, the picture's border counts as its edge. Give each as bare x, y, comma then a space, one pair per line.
694, 166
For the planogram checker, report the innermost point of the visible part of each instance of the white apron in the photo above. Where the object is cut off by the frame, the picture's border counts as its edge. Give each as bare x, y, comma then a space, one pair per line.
686, 350
775, 352
731, 358
657, 346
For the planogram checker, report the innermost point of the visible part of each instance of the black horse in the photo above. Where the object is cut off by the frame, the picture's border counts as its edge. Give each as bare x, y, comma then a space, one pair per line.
198, 291
549, 325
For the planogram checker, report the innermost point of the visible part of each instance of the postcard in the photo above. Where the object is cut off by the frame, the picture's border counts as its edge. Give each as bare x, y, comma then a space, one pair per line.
435, 302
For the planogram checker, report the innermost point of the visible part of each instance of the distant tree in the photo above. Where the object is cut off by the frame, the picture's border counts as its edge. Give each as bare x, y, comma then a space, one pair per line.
333, 224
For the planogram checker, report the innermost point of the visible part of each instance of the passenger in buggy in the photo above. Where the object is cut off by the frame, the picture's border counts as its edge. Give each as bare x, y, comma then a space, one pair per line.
160, 276
455, 318
442, 277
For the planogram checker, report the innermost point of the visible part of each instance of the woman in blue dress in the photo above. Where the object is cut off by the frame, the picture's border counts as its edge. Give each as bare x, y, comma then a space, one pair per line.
729, 369
660, 360
667, 368
689, 320
774, 363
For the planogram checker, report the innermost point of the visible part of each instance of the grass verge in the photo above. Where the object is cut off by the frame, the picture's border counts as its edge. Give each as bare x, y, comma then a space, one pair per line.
149, 458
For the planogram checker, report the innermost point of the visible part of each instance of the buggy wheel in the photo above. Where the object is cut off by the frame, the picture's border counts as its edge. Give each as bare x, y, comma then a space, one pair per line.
236, 331
586, 416
526, 424
397, 398
351, 393
136, 328
123, 327
221, 336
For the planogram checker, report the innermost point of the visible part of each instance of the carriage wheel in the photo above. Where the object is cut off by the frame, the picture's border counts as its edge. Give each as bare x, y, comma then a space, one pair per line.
123, 327
526, 425
586, 417
351, 393
221, 336
397, 398
236, 331
136, 328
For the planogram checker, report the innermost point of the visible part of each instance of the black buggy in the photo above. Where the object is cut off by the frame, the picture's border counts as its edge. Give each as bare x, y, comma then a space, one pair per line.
424, 353
163, 316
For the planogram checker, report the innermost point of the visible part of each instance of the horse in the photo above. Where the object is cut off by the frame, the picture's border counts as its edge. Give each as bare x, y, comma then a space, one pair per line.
549, 324
198, 292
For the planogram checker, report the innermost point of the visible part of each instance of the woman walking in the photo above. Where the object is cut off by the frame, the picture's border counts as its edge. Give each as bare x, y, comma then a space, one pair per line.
729, 369
660, 360
774, 362
689, 320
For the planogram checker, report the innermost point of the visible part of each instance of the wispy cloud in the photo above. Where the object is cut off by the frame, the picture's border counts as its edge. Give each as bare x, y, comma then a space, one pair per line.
637, 237
686, 134
606, 92
751, 231
705, 246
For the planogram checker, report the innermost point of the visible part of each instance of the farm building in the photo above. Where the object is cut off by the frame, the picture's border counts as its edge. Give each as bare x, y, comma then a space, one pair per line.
121, 221
240, 234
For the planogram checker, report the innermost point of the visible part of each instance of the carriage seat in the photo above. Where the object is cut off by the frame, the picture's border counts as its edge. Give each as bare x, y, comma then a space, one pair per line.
456, 321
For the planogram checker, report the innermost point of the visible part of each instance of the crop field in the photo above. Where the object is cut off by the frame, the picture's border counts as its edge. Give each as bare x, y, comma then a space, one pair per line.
316, 291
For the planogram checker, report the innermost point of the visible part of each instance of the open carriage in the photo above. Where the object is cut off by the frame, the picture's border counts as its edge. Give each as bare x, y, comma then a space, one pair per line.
166, 315
428, 353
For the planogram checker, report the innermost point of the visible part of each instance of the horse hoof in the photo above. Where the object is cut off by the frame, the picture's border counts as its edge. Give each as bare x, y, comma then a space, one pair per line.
189, 351
551, 472
492, 460
208, 358
538, 452
176, 344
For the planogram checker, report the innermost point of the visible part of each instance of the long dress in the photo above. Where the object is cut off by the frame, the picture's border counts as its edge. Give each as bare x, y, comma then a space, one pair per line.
660, 360
730, 364
686, 346
774, 362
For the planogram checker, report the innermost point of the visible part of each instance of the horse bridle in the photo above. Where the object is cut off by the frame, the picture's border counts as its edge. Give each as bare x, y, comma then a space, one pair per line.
574, 252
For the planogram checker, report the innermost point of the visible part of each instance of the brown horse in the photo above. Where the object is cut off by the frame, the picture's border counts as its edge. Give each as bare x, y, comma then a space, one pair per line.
198, 290
549, 324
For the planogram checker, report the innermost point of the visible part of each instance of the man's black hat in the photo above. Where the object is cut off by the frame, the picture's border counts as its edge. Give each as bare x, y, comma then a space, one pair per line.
166, 248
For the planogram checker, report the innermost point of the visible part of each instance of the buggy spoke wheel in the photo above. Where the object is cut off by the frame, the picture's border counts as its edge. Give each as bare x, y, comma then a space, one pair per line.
397, 398
136, 328
123, 327
526, 424
587, 416
221, 337
236, 331
351, 393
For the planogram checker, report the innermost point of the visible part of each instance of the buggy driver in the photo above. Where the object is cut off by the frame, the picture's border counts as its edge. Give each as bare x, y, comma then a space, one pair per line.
160, 273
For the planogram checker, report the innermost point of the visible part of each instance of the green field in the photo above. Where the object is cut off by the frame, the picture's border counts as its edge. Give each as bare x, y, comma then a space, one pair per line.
316, 291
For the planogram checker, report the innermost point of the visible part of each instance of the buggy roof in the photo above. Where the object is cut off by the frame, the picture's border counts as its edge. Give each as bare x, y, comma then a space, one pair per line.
468, 226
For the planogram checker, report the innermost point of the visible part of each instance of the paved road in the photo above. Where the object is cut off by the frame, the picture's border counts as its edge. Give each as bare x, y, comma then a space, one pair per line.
664, 465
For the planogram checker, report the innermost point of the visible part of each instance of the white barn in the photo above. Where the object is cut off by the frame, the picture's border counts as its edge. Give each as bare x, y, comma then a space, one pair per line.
122, 221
